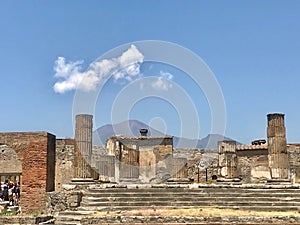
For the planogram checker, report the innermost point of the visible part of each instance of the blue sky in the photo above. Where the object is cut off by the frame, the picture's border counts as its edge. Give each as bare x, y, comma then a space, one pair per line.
252, 47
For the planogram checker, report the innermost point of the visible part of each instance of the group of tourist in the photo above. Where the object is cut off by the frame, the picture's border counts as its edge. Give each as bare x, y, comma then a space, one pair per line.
10, 192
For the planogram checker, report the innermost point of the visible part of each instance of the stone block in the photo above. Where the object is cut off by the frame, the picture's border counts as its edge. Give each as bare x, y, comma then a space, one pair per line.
68, 186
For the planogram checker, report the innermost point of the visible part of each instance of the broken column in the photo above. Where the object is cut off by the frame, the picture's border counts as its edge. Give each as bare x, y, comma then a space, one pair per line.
83, 138
227, 159
277, 147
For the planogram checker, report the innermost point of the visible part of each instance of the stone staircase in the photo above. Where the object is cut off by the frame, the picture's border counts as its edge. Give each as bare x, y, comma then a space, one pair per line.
128, 197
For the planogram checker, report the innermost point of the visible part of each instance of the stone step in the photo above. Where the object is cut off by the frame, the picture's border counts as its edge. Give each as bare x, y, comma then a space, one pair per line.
77, 213
191, 199
192, 196
62, 222
250, 208
179, 189
205, 190
191, 203
68, 219
197, 185
180, 220
229, 197
238, 220
72, 217
138, 192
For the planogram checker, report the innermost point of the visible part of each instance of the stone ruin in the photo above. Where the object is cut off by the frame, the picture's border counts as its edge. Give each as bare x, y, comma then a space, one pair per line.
44, 164
148, 159
141, 159
274, 161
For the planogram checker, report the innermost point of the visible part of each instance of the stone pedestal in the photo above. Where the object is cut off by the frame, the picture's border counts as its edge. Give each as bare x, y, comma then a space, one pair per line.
277, 147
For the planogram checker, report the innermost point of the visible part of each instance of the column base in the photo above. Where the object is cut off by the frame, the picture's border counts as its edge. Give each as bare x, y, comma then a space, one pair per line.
278, 181
82, 180
229, 180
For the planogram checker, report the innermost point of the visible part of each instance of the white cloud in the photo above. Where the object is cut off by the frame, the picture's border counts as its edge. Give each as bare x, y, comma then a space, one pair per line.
63, 69
126, 66
163, 81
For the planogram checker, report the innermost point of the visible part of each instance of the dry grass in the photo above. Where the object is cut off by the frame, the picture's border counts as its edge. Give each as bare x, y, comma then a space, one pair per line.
204, 212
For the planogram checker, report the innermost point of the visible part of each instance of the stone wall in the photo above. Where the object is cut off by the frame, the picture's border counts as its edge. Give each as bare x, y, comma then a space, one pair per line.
294, 160
10, 164
64, 167
69, 198
140, 158
253, 166
208, 160
36, 150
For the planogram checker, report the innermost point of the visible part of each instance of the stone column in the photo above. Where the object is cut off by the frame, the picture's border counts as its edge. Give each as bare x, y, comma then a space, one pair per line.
278, 157
227, 159
83, 139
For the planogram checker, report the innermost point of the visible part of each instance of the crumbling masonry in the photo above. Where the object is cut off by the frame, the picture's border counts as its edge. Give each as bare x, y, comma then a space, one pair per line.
261, 162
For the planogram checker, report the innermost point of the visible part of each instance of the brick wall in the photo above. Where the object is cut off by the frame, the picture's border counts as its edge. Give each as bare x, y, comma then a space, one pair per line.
36, 150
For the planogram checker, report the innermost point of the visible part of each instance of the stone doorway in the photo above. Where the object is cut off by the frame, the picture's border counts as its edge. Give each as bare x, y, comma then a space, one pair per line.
10, 165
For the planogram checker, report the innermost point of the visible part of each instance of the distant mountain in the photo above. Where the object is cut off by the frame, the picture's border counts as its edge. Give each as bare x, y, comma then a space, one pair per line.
132, 128
126, 128
211, 141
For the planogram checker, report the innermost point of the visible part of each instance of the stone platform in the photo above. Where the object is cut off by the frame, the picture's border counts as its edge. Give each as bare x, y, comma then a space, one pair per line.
121, 197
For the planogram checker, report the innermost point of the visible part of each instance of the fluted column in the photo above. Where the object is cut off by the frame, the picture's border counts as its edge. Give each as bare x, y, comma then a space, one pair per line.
278, 157
83, 139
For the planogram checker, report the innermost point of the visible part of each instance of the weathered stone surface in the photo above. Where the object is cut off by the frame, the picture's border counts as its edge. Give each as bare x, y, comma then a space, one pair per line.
83, 148
140, 159
190, 220
227, 159
277, 147
64, 200
294, 160
26, 219
65, 159
9, 157
68, 186
253, 168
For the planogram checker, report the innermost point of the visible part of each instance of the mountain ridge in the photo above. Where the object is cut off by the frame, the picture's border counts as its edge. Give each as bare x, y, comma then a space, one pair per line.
132, 128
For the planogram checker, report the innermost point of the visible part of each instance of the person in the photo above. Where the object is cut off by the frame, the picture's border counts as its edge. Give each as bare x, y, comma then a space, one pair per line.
10, 194
5, 193
1, 196
16, 193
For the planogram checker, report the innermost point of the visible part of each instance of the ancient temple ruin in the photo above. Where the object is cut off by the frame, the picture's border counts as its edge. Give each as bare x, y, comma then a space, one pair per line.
271, 161
144, 159
45, 164
150, 159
